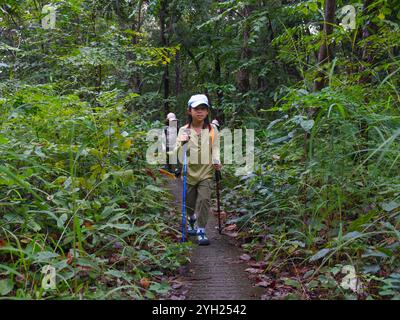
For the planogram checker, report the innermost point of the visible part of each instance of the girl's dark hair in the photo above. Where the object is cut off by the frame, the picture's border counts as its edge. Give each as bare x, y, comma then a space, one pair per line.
206, 121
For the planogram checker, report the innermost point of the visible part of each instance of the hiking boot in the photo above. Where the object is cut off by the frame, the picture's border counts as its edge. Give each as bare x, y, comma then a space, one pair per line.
192, 231
202, 240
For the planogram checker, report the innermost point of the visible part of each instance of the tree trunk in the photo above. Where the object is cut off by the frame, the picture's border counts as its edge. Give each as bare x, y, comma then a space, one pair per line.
135, 80
178, 81
195, 61
325, 51
164, 43
367, 59
324, 56
243, 75
217, 69
367, 55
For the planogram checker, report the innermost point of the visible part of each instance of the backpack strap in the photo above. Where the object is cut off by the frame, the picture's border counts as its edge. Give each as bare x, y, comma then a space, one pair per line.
212, 132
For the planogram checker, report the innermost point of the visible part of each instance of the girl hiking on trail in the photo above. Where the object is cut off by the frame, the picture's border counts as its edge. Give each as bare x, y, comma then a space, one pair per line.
203, 157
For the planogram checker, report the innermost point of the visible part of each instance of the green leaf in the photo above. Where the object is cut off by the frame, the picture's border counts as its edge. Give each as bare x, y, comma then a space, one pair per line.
108, 210
3, 140
352, 235
61, 221
335, 270
371, 268
360, 221
154, 188
4, 46
389, 206
119, 274
313, 6
308, 274
374, 253
10, 270
320, 254
45, 256
312, 284
387, 292
87, 262
297, 243
281, 139
20, 182
160, 288
292, 283
6, 286
307, 125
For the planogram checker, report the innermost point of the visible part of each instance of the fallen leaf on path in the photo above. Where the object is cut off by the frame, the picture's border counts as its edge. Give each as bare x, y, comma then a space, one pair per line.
55, 236
223, 214
245, 257
83, 268
231, 234
390, 240
117, 245
263, 284
88, 224
114, 258
275, 157
254, 270
230, 227
150, 173
144, 283
20, 278
177, 285
259, 264
70, 257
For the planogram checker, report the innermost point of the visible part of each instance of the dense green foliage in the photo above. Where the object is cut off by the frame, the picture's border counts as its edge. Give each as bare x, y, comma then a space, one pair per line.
73, 185
76, 103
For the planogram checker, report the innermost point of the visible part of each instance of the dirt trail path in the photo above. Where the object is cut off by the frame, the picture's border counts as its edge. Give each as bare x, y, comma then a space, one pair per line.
216, 271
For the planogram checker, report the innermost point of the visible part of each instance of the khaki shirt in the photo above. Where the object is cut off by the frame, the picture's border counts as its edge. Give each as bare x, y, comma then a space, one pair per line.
200, 156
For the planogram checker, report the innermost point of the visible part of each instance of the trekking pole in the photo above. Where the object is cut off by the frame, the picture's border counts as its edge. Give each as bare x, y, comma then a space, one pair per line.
184, 192
218, 179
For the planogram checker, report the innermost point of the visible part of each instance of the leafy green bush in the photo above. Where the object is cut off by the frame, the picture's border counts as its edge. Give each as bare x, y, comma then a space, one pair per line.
76, 196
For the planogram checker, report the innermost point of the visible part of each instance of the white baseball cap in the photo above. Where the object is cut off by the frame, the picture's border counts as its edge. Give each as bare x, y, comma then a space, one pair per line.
215, 121
171, 116
198, 99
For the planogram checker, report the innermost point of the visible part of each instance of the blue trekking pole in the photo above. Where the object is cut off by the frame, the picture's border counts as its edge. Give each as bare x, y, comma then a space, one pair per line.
184, 192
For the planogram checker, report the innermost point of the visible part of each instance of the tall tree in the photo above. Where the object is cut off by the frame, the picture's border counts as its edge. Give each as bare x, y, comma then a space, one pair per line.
367, 55
135, 79
367, 60
243, 75
325, 55
164, 42
325, 51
